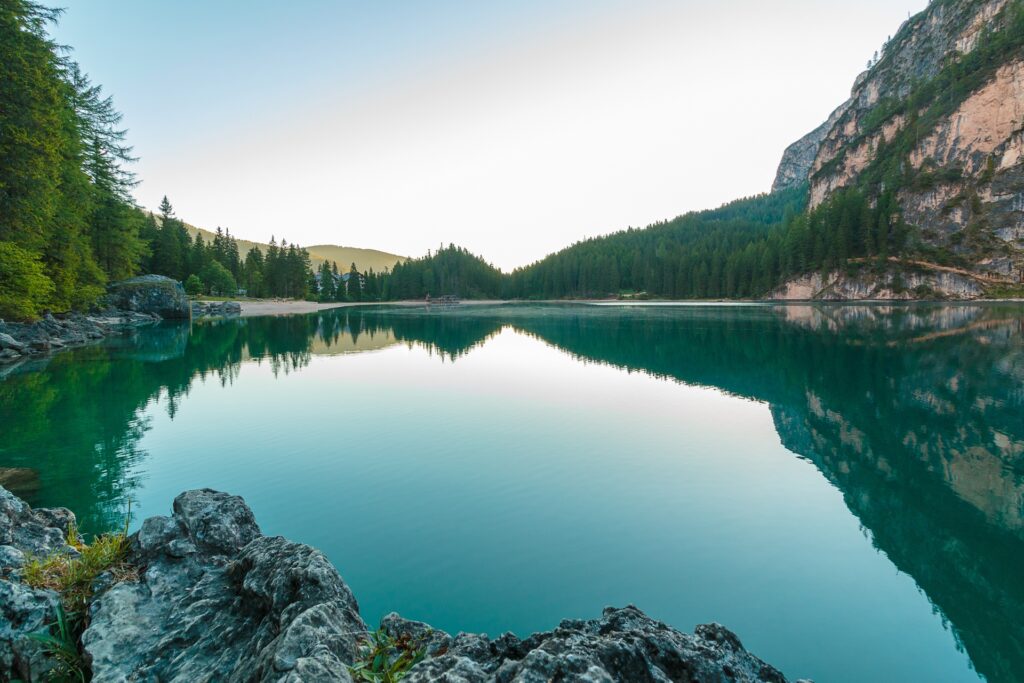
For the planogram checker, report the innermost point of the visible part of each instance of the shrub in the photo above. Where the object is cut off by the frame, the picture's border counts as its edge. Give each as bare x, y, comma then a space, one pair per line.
193, 285
218, 279
24, 287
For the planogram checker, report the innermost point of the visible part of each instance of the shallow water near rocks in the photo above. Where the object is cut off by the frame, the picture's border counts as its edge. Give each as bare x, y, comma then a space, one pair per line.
840, 485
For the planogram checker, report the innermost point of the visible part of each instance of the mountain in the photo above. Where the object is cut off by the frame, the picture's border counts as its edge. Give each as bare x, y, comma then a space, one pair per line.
365, 259
936, 127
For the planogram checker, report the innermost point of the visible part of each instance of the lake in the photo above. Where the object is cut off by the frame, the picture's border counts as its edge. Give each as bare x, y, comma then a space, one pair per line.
843, 486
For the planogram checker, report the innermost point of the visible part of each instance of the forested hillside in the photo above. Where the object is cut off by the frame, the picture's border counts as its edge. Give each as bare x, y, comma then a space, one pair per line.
67, 223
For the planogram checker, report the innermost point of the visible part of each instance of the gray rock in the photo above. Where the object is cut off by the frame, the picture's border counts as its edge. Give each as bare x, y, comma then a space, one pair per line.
35, 532
150, 294
220, 602
623, 645
23, 610
10, 343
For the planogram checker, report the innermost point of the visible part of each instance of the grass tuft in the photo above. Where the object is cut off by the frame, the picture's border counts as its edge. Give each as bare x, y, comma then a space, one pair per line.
73, 576
384, 659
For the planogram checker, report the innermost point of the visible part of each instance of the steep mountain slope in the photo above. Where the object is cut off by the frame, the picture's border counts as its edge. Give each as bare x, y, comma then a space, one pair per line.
937, 125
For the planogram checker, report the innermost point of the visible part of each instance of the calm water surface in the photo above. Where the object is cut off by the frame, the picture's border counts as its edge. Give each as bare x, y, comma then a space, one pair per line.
843, 486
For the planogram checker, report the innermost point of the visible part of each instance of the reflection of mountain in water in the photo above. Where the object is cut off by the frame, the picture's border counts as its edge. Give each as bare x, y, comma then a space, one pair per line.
914, 413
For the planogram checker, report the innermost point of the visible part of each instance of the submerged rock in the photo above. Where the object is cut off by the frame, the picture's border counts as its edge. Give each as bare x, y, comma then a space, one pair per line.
151, 294
218, 601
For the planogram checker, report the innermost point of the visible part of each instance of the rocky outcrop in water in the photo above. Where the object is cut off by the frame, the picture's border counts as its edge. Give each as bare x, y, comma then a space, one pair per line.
216, 600
130, 303
150, 294
57, 332
623, 645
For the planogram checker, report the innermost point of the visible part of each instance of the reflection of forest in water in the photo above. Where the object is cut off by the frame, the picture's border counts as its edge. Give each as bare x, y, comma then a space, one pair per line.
913, 412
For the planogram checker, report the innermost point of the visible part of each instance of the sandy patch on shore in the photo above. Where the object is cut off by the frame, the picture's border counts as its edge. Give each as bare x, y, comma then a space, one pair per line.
253, 308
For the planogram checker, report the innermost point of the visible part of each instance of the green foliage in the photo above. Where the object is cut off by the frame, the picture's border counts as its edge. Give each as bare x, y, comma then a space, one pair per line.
64, 190
194, 286
61, 645
218, 279
383, 659
73, 577
24, 288
733, 251
450, 270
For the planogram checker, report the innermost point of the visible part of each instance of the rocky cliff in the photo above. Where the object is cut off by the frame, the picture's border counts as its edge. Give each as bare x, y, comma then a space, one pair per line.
936, 126
216, 600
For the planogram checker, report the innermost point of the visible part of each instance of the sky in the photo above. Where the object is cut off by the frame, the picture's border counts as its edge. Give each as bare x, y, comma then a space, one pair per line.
510, 128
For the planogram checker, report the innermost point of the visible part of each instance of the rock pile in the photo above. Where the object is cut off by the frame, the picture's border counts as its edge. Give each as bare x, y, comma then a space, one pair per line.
215, 308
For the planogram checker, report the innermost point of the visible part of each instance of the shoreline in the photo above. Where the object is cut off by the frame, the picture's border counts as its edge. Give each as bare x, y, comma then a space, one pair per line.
203, 594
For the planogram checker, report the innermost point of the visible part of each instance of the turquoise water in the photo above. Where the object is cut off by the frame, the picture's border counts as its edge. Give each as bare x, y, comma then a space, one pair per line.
842, 486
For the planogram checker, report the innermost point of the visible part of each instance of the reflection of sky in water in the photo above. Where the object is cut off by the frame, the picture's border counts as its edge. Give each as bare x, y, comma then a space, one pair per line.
518, 486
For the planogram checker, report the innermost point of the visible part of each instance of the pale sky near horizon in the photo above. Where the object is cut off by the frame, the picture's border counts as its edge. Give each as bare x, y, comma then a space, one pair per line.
511, 128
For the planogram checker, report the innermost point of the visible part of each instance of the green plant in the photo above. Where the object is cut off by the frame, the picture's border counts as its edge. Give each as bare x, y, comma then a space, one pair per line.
61, 645
384, 659
193, 285
73, 576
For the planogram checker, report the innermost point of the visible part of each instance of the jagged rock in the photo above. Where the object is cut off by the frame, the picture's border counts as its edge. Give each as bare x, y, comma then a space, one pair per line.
153, 294
797, 160
54, 333
623, 645
37, 532
10, 343
23, 610
219, 601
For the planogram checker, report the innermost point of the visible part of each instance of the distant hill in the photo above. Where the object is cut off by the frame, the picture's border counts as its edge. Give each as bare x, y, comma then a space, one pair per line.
364, 259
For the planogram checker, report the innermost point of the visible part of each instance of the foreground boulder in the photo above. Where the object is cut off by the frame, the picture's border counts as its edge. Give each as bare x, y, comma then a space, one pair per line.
623, 645
25, 611
218, 601
150, 294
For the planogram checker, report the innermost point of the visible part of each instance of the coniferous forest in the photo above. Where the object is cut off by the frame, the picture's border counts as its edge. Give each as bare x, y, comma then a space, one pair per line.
68, 223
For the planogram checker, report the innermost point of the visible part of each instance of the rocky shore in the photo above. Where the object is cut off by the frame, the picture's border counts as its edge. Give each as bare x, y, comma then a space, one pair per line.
131, 303
213, 599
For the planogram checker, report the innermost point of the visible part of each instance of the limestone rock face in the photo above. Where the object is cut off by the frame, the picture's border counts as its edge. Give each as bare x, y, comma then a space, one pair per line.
797, 160
966, 161
623, 645
888, 286
153, 294
218, 601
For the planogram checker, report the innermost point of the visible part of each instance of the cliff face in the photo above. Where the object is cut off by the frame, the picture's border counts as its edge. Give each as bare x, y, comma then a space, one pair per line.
938, 122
